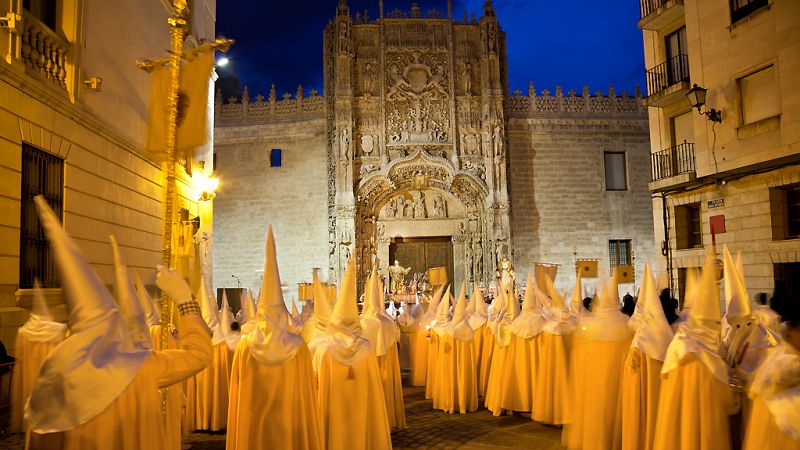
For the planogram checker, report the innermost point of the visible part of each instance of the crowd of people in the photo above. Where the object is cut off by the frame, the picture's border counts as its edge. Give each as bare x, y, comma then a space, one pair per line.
636, 374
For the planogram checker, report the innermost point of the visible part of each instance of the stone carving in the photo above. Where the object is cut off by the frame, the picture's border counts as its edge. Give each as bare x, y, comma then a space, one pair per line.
344, 145
466, 79
397, 274
499, 141
367, 169
419, 206
468, 261
439, 206
367, 79
471, 144
367, 144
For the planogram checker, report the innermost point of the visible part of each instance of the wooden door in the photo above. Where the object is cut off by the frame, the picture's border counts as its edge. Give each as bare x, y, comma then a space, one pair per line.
423, 253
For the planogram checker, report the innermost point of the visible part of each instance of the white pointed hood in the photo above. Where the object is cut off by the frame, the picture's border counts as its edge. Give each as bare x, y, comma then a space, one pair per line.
208, 307
654, 333
459, 327
128, 302
247, 313
439, 326
559, 320
322, 311
429, 316
152, 315
377, 326
343, 339
507, 310
225, 321
478, 314
576, 309
699, 334
72, 388
530, 321
605, 322
270, 342
40, 326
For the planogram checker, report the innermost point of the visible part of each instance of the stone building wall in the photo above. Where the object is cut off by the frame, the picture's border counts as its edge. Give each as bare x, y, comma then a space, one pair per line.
252, 195
560, 207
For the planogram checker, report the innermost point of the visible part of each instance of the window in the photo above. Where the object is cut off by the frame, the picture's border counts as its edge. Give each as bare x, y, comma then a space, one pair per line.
759, 96
784, 205
682, 129
743, 8
275, 157
688, 227
619, 252
616, 178
44, 10
677, 61
42, 174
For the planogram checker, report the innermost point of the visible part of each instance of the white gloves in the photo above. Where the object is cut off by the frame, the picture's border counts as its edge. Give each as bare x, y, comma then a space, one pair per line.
171, 282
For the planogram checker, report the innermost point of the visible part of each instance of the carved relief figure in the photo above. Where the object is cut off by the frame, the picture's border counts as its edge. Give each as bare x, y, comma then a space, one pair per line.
400, 209
344, 145
471, 144
367, 144
367, 79
439, 206
343, 37
498, 139
419, 206
468, 260
466, 77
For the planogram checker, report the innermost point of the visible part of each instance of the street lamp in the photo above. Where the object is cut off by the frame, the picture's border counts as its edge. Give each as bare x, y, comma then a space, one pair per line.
697, 98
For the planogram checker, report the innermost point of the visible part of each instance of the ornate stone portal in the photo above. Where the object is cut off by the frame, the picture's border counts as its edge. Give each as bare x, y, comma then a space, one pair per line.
416, 137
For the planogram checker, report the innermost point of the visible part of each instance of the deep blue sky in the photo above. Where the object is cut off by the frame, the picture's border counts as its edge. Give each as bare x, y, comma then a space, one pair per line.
565, 42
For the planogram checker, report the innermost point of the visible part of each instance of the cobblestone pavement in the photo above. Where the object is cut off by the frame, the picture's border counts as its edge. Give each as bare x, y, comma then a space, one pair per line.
427, 428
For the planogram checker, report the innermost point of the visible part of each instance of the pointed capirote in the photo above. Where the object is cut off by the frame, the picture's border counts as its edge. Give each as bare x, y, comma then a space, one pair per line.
376, 325
322, 305
439, 324
249, 308
459, 326
479, 315
576, 300
608, 298
433, 305
654, 333
151, 313
529, 299
373, 302
128, 301
226, 319
208, 308
345, 313
295, 313
270, 342
706, 311
737, 301
40, 326
70, 374
555, 297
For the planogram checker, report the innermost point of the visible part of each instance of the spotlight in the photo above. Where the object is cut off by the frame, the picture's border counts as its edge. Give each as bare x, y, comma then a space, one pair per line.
222, 62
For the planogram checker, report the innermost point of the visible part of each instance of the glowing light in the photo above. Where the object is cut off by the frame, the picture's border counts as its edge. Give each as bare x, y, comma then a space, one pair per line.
205, 187
222, 62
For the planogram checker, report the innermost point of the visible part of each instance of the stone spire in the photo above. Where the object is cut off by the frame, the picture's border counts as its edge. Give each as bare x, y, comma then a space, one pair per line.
488, 9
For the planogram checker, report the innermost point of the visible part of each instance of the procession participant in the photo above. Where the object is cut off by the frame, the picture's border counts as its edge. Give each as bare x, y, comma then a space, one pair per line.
427, 321
484, 339
507, 309
96, 390
273, 392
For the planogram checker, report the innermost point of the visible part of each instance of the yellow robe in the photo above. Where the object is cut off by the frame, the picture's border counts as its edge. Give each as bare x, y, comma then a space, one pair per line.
389, 368
693, 409
551, 382
133, 420
763, 433
414, 354
511, 377
30, 356
273, 407
485, 359
641, 381
175, 398
432, 357
352, 405
456, 388
211, 395
595, 403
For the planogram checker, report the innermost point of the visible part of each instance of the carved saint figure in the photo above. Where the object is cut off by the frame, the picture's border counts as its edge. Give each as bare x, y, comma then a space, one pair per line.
343, 32
400, 208
419, 206
468, 261
397, 274
466, 77
439, 206
344, 145
505, 273
367, 79
498, 139
471, 144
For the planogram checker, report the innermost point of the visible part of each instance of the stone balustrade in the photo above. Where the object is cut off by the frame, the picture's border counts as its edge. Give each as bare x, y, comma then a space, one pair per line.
586, 104
245, 109
43, 51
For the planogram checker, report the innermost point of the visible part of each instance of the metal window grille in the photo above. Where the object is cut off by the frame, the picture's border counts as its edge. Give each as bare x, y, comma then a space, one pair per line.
619, 252
42, 174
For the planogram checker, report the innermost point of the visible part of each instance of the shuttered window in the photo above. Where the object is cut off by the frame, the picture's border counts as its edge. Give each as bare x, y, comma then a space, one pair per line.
616, 179
683, 128
759, 96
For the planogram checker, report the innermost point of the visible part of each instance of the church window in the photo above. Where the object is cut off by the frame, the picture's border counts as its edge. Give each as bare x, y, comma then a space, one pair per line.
275, 157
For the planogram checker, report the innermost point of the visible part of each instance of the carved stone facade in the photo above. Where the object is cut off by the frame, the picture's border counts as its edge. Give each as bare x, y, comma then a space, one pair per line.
420, 134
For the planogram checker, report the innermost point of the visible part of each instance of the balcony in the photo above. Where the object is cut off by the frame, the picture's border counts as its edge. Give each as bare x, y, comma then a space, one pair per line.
672, 167
668, 81
44, 52
658, 13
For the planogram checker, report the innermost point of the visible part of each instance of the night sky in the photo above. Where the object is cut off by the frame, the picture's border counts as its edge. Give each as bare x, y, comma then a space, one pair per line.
564, 42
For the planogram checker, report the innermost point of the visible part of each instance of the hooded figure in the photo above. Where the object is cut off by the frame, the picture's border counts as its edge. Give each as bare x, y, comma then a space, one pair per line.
429, 320
379, 328
226, 320
35, 339
409, 328
695, 399
641, 376
506, 390
247, 314
351, 398
97, 389
600, 346
478, 317
456, 388
273, 391
551, 390
211, 385
322, 311
295, 319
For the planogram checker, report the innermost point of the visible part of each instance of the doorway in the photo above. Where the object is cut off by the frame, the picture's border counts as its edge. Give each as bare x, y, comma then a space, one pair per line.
422, 253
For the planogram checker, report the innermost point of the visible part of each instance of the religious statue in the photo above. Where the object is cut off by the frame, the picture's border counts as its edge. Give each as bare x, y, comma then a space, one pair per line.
419, 206
467, 78
367, 79
505, 273
498, 139
468, 261
400, 207
438, 206
397, 274
344, 145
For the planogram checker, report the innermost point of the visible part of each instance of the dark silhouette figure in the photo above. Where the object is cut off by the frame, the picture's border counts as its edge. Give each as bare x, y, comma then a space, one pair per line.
628, 304
669, 305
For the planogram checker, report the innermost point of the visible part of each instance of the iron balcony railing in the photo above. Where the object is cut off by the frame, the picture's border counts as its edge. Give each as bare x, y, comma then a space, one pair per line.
672, 161
648, 6
664, 75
